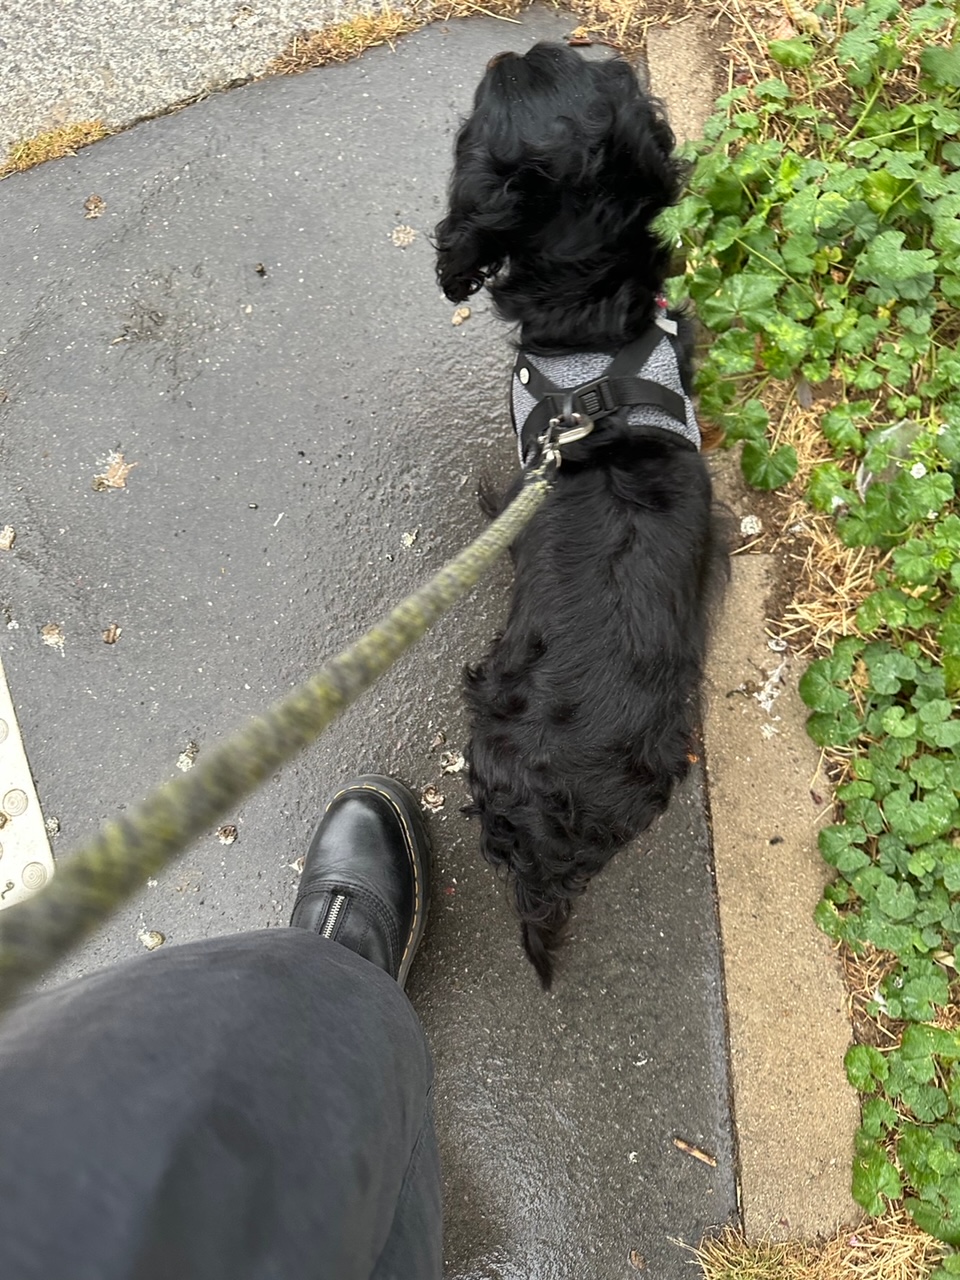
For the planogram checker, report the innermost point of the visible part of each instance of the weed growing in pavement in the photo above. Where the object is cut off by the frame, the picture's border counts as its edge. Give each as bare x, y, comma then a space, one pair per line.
822, 238
65, 140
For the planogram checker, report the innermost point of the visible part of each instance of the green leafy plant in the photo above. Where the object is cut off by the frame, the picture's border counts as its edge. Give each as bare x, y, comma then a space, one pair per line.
821, 231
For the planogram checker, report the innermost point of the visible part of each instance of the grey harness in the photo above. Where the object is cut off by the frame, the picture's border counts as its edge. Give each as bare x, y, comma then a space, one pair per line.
643, 377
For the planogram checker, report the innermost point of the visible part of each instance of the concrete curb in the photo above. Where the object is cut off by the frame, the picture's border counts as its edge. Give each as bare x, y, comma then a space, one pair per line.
795, 1112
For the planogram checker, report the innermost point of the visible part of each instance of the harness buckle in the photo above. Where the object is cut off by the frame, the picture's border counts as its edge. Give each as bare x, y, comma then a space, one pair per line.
595, 398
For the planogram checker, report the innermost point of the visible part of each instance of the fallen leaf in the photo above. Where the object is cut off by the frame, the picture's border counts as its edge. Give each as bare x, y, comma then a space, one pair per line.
52, 634
403, 236
432, 799
8, 536
461, 314
112, 634
227, 834
94, 206
439, 740
187, 756
115, 476
637, 1260
151, 939
451, 762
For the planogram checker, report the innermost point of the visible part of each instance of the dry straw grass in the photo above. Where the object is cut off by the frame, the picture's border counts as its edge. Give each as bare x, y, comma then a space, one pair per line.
343, 41
66, 140
888, 1248
864, 973
834, 582
833, 579
622, 24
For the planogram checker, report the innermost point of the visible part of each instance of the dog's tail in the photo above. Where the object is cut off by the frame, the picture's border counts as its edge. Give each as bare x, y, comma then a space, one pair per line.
542, 922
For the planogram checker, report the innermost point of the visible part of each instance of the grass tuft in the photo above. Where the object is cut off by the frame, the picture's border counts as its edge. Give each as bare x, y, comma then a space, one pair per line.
888, 1248
65, 140
343, 41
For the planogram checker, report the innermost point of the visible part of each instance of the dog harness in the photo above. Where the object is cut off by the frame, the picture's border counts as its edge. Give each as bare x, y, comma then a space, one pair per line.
643, 377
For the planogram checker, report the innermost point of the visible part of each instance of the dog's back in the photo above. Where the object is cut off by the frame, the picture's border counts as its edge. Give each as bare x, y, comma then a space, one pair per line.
586, 709
584, 712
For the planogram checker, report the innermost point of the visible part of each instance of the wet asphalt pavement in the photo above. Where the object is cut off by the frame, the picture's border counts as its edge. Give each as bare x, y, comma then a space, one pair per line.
308, 428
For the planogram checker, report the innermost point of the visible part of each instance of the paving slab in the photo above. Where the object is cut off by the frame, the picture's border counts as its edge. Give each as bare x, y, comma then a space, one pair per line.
252, 322
79, 61
682, 57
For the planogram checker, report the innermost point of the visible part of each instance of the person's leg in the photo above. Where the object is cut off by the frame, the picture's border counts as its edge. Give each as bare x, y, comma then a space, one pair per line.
245, 1107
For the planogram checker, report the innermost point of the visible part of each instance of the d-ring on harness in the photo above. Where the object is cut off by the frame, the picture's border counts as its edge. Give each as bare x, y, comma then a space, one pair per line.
576, 426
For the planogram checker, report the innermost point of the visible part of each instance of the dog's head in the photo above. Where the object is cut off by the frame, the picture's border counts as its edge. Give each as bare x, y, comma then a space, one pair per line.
560, 169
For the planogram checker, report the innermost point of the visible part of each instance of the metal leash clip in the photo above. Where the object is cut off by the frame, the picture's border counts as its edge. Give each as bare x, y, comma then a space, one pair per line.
553, 439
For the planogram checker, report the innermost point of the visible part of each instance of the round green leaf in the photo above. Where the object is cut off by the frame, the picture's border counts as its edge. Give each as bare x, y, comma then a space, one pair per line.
818, 689
791, 53
866, 1067
766, 470
917, 821
746, 296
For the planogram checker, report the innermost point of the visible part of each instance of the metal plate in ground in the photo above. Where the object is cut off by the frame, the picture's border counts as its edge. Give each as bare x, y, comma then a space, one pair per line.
26, 863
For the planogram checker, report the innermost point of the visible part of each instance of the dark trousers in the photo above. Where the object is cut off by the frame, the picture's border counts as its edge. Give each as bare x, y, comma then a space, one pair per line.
242, 1108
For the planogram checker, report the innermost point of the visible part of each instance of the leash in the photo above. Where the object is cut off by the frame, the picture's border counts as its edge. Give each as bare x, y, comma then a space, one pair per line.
96, 879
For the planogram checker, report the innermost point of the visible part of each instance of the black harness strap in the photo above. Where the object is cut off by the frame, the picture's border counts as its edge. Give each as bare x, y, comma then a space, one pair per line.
615, 389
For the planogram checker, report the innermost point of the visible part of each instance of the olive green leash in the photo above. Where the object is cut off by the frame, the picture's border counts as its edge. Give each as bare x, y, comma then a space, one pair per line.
94, 881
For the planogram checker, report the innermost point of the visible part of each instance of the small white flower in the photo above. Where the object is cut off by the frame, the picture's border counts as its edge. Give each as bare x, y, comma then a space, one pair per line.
918, 470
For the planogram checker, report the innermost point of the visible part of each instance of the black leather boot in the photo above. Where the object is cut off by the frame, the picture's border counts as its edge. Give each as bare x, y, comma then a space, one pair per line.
366, 878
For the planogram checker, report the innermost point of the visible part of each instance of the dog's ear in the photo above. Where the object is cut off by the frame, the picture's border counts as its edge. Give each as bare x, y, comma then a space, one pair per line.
464, 262
474, 240
471, 239
639, 157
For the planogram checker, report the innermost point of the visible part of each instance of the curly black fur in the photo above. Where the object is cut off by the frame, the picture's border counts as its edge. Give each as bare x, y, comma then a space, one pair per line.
584, 712
559, 171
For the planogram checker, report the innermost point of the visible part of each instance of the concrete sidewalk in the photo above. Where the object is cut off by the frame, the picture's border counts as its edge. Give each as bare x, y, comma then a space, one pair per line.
135, 58
252, 321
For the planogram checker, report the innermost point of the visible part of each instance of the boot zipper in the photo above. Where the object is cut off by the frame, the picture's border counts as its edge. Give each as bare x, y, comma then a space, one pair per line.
333, 915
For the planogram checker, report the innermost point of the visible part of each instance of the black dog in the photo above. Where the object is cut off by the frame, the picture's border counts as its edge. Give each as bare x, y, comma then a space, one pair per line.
586, 708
